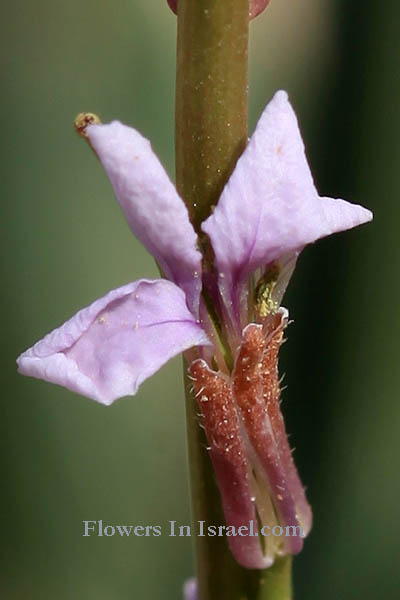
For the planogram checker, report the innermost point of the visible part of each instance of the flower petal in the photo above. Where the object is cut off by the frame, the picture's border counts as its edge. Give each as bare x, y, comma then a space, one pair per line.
190, 589
270, 206
153, 209
108, 349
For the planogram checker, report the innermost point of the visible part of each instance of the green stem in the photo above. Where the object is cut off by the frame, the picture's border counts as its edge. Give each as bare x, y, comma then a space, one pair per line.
211, 98
211, 133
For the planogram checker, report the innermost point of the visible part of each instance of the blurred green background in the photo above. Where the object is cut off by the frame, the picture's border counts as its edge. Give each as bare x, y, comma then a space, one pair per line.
64, 243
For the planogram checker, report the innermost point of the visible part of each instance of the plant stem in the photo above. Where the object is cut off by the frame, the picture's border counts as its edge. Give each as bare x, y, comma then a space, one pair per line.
211, 98
211, 133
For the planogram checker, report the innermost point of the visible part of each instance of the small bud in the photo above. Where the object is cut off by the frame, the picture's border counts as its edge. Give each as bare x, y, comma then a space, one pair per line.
83, 120
173, 4
256, 6
190, 589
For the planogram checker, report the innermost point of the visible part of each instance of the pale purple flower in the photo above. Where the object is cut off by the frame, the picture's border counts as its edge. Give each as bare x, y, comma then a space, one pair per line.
190, 589
268, 211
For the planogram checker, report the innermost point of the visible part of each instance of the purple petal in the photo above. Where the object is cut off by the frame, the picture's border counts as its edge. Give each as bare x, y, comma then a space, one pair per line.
270, 206
109, 348
190, 589
153, 209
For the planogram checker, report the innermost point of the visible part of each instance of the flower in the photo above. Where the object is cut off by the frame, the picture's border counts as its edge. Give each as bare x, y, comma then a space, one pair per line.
190, 589
224, 314
256, 6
